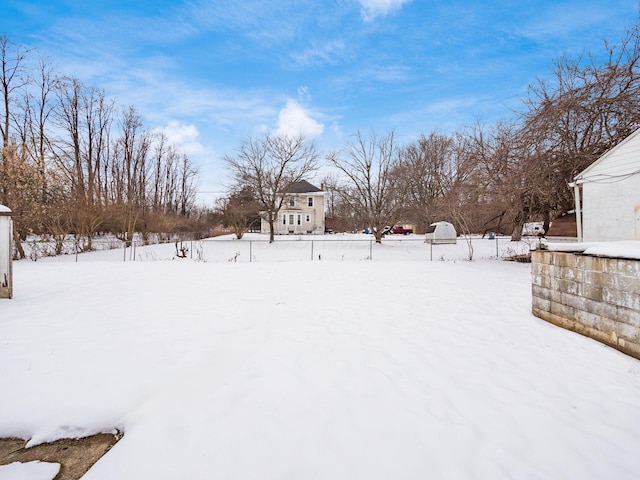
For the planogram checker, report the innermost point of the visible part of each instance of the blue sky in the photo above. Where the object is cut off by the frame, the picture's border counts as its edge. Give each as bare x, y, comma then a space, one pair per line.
213, 72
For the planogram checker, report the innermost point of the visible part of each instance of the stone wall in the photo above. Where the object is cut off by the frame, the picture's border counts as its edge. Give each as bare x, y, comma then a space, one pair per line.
596, 296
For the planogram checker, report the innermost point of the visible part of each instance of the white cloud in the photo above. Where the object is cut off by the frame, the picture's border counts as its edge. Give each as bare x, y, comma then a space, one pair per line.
379, 8
295, 120
303, 93
329, 53
183, 136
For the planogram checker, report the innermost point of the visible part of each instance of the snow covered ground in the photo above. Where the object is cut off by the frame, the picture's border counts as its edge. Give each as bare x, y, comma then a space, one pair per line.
402, 368
29, 471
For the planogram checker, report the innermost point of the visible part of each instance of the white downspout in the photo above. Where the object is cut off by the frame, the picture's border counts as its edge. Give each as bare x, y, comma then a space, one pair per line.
576, 197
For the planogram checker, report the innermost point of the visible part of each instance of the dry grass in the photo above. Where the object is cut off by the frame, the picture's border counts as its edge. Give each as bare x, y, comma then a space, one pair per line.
75, 456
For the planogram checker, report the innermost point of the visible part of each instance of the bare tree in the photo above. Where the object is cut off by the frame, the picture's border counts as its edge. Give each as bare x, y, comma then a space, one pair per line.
67, 147
496, 183
22, 193
63, 172
97, 112
163, 158
585, 109
187, 179
339, 216
83, 119
425, 167
463, 191
269, 166
240, 210
38, 106
130, 172
12, 78
372, 188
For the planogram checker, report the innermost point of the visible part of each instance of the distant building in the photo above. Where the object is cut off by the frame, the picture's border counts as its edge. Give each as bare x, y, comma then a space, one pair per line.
441, 232
607, 195
302, 211
563, 228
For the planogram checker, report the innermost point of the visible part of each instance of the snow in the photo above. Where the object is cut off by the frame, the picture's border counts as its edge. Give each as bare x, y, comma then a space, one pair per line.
398, 368
29, 471
256, 248
623, 249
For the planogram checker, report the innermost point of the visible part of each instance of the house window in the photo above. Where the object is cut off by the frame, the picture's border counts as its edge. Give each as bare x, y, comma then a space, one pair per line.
310, 201
290, 219
292, 202
299, 219
284, 219
308, 219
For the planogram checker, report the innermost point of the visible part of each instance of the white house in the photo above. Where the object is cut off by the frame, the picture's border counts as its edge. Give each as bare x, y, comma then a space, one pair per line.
302, 211
607, 195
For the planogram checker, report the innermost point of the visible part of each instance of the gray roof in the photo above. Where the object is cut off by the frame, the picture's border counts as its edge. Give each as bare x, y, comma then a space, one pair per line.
302, 187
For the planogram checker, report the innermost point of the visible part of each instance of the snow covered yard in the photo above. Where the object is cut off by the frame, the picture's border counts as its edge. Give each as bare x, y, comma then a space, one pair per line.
311, 370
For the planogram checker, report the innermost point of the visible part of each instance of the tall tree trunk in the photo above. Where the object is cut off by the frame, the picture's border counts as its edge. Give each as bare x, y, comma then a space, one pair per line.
271, 221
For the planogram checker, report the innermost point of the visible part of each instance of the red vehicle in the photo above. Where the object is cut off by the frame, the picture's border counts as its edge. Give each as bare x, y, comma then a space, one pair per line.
400, 230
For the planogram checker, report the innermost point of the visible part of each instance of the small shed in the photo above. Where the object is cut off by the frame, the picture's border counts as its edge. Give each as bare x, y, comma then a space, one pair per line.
6, 239
441, 232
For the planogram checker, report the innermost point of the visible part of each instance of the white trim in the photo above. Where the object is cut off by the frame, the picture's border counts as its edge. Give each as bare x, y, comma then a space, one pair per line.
576, 197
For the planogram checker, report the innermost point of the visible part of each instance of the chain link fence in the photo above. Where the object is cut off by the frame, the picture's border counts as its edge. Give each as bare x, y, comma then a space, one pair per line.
256, 248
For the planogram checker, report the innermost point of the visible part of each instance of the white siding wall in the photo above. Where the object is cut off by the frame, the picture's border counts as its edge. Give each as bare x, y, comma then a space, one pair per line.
611, 194
610, 211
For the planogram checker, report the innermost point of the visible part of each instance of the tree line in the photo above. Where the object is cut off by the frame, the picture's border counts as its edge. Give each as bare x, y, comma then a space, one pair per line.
481, 178
73, 162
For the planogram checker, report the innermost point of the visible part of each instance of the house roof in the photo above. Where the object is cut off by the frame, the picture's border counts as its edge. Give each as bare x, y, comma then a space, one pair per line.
616, 163
302, 187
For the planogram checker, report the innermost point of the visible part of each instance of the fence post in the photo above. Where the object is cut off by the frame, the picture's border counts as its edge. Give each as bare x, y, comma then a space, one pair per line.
124, 252
497, 253
250, 251
370, 250
431, 257
312, 250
